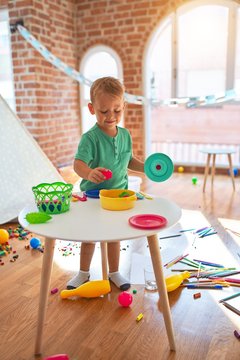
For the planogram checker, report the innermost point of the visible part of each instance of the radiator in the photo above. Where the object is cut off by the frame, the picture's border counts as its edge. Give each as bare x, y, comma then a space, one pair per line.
189, 154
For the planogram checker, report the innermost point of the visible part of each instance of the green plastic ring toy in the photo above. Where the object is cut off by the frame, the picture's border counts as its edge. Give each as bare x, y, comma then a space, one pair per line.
158, 167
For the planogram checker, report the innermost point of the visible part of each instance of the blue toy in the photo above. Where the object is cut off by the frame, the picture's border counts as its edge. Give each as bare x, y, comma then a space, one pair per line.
235, 172
35, 243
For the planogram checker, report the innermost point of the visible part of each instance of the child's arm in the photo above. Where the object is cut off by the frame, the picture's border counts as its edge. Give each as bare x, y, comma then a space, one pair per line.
85, 172
136, 165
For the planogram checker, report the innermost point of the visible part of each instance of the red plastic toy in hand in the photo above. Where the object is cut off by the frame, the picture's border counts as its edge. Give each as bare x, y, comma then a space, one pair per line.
107, 173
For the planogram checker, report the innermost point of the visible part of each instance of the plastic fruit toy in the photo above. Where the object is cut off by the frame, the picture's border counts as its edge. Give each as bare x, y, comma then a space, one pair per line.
107, 173
37, 218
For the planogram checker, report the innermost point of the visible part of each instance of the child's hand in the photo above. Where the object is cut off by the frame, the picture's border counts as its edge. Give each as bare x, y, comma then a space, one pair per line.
96, 176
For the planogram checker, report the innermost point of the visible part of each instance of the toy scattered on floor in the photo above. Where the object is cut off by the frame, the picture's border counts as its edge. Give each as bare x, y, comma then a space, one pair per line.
57, 357
125, 299
235, 172
180, 169
194, 180
71, 248
19, 232
139, 317
90, 289
196, 295
54, 291
174, 281
4, 236
5, 247
107, 173
35, 243
37, 217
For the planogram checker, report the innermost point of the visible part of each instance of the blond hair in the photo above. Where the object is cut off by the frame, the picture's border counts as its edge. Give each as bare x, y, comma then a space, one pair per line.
107, 84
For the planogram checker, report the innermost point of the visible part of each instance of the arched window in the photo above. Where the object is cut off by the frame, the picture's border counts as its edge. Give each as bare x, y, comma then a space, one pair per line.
99, 61
6, 74
194, 52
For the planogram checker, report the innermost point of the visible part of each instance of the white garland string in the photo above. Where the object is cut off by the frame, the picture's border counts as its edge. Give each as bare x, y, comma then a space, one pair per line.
189, 102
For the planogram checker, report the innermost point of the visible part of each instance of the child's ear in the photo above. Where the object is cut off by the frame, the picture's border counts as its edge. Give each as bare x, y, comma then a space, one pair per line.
91, 108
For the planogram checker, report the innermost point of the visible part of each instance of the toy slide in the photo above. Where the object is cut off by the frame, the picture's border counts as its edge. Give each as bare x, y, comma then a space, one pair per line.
90, 289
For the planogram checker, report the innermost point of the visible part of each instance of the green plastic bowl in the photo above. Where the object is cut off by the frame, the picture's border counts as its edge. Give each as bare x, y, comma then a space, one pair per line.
53, 198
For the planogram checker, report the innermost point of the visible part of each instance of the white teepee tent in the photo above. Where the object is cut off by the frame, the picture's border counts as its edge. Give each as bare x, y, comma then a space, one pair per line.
22, 165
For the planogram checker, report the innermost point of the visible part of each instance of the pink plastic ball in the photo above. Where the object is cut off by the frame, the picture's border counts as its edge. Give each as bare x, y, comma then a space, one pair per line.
125, 299
107, 173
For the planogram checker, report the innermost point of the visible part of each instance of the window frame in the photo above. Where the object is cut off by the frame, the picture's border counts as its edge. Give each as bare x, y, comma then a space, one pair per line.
91, 51
173, 19
231, 42
5, 18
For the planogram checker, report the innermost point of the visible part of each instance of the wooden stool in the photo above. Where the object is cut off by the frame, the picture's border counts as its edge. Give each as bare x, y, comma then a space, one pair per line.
215, 152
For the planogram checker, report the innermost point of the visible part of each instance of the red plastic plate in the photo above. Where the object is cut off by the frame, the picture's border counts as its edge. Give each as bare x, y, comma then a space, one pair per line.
147, 221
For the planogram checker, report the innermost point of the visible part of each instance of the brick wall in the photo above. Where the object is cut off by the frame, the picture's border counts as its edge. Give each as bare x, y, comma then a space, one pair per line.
47, 100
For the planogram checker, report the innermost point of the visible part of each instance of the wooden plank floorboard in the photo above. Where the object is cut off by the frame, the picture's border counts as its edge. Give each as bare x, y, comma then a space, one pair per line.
101, 329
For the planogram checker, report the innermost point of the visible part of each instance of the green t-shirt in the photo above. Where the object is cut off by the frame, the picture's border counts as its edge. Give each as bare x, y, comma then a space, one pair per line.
97, 149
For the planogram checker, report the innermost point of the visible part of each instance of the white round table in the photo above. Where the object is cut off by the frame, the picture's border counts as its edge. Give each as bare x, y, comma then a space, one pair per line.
213, 152
88, 222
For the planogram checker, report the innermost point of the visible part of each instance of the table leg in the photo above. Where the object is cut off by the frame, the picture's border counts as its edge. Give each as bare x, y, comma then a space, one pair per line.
206, 171
104, 260
213, 167
231, 170
44, 290
162, 290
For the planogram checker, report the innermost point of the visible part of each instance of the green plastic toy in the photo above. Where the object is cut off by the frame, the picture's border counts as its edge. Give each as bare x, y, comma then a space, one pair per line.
53, 198
158, 167
124, 194
37, 218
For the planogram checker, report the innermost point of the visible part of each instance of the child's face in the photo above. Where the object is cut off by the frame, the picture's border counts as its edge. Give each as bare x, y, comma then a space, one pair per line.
108, 110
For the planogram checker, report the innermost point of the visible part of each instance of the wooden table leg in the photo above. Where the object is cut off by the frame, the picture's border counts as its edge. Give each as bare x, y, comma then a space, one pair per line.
231, 170
162, 290
104, 260
213, 167
206, 171
44, 291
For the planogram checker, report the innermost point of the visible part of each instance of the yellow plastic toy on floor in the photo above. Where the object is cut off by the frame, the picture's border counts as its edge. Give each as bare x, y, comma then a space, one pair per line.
174, 281
90, 289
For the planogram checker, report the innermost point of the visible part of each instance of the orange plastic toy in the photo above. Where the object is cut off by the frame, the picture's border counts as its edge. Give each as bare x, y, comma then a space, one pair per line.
4, 236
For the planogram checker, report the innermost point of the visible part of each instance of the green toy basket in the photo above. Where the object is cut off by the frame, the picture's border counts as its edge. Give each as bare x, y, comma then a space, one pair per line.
53, 198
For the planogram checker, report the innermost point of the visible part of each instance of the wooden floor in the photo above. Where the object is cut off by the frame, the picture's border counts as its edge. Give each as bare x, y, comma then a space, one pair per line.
101, 329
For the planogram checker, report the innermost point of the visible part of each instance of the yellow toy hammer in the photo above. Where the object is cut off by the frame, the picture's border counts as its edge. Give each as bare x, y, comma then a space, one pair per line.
90, 289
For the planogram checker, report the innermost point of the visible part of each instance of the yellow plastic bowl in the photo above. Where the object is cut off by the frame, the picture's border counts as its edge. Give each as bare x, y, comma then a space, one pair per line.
115, 200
